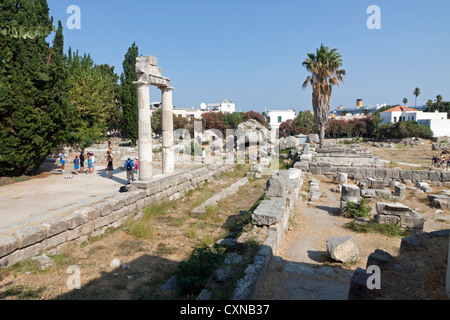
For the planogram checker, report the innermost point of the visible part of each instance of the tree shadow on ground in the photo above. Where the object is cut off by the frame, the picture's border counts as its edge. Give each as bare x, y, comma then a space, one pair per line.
334, 211
140, 279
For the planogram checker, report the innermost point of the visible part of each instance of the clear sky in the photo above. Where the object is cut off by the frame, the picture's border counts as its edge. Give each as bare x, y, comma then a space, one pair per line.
250, 51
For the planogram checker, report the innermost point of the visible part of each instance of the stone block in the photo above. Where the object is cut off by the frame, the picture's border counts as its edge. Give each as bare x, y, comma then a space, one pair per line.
104, 208
419, 175
28, 236
344, 249
7, 245
269, 212
399, 190
342, 178
302, 165
350, 192
277, 184
54, 227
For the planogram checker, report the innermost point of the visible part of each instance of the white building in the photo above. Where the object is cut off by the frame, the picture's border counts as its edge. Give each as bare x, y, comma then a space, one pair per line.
192, 113
436, 121
277, 117
226, 106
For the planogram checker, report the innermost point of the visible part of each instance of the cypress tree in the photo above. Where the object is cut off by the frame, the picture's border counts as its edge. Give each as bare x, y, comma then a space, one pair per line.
30, 112
128, 94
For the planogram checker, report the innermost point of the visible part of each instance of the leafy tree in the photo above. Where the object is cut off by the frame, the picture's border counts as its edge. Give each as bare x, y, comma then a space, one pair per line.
93, 96
404, 129
405, 101
303, 123
256, 116
232, 120
31, 108
128, 94
416, 93
325, 71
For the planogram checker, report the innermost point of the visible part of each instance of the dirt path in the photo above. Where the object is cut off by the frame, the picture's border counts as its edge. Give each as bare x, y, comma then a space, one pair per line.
301, 270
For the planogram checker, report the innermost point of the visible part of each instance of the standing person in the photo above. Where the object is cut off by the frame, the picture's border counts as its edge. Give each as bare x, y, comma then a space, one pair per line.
110, 147
137, 165
76, 164
448, 162
92, 163
62, 159
433, 161
129, 166
109, 167
89, 163
82, 162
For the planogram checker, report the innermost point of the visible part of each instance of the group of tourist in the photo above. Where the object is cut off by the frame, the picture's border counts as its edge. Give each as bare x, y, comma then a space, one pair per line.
80, 162
440, 162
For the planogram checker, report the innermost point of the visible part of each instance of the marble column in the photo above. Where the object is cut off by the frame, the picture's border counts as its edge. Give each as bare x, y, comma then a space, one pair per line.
145, 132
168, 158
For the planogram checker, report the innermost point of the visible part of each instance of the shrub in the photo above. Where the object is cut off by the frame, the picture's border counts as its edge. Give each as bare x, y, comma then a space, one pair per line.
404, 129
193, 274
358, 210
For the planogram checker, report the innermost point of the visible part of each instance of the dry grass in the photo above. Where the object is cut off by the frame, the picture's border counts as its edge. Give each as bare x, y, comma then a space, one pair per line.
152, 248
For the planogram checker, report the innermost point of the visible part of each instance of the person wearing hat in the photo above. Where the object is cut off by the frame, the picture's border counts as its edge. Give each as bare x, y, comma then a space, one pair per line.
76, 164
129, 166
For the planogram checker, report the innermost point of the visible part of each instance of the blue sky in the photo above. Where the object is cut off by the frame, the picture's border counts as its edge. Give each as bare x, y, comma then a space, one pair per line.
250, 51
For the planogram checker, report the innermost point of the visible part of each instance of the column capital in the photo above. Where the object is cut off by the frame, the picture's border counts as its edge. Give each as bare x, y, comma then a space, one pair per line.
166, 88
141, 83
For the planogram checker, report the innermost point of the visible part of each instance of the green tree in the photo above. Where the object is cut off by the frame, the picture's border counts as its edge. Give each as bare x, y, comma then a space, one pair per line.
128, 94
416, 93
31, 117
405, 101
429, 105
438, 101
325, 71
92, 94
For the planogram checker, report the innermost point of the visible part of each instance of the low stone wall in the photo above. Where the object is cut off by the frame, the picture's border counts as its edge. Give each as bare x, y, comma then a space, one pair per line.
282, 191
437, 178
60, 233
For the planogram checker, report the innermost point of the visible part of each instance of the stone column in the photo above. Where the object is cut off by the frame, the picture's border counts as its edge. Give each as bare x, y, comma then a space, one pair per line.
145, 132
168, 158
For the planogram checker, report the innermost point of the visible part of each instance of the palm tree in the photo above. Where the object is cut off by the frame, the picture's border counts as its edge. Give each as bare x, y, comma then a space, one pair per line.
325, 68
416, 92
438, 101
429, 105
405, 101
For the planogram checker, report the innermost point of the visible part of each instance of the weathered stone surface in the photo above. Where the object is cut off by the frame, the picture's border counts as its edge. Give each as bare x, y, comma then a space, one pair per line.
388, 213
342, 178
269, 212
44, 261
358, 285
368, 193
399, 190
7, 245
289, 143
277, 184
343, 248
28, 236
302, 165
350, 192
54, 227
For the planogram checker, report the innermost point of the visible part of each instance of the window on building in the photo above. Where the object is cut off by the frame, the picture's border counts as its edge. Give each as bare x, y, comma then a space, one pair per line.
279, 119
395, 119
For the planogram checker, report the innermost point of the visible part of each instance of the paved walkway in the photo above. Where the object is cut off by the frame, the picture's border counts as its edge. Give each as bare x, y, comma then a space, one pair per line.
34, 200
299, 271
